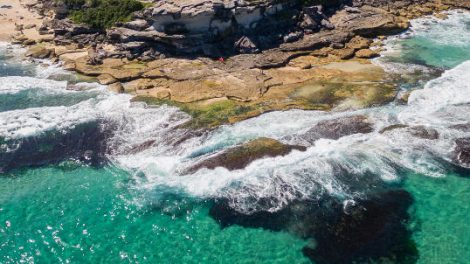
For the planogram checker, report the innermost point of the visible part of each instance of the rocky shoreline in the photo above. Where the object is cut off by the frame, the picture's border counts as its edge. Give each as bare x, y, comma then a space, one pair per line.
326, 69
316, 59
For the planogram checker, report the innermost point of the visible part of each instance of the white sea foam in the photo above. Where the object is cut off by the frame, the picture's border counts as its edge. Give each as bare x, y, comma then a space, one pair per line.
451, 89
441, 35
33, 121
107, 106
158, 164
437, 30
279, 180
14, 84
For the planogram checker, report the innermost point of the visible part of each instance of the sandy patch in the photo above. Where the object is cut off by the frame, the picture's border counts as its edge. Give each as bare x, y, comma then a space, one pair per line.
15, 12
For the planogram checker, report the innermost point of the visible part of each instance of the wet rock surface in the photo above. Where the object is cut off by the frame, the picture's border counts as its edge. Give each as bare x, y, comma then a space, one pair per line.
422, 132
461, 152
337, 128
351, 231
240, 156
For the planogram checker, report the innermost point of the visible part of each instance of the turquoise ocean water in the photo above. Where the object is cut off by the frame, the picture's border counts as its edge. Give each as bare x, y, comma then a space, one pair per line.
134, 209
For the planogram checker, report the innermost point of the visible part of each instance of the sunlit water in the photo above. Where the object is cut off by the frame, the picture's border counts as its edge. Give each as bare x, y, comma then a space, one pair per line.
138, 208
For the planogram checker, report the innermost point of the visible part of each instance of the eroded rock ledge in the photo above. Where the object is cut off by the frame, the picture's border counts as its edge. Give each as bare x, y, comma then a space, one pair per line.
225, 61
221, 28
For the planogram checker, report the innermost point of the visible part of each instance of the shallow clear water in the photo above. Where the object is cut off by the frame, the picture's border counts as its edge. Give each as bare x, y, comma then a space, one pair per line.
434, 42
71, 213
139, 208
441, 212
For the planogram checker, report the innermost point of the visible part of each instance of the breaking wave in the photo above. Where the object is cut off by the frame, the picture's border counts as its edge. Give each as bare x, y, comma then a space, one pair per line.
366, 158
152, 144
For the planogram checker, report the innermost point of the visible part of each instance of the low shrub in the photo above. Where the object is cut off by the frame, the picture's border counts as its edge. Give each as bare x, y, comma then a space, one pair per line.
102, 13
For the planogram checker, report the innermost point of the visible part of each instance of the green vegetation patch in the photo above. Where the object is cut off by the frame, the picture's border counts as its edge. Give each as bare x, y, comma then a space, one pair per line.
210, 115
102, 14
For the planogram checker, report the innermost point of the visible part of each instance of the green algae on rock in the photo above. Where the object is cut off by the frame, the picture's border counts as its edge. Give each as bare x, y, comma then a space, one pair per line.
241, 156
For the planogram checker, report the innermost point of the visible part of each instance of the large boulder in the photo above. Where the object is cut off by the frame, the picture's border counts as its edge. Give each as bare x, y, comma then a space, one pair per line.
239, 157
366, 54
40, 52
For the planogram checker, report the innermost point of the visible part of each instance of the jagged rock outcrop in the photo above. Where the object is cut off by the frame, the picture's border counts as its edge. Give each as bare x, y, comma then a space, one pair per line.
368, 21
214, 17
223, 28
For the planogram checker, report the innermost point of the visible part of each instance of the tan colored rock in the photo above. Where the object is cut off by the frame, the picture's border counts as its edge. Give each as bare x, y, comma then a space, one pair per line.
323, 52
368, 21
40, 52
29, 26
305, 66
344, 54
29, 42
116, 87
46, 38
19, 38
69, 66
163, 94
359, 42
366, 54
146, 84
106, 79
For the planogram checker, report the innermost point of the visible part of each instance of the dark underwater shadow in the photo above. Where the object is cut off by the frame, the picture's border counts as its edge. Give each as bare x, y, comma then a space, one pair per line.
85, 143
366, 230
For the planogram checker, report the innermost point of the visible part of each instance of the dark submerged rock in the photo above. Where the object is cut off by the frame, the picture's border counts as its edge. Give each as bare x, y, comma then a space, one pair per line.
370, 229
84, 142
367, 229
